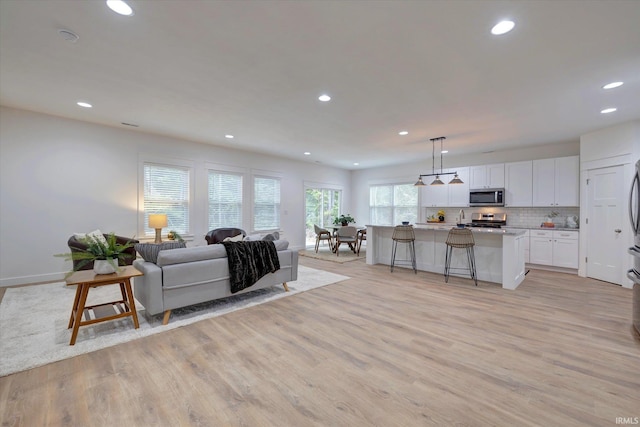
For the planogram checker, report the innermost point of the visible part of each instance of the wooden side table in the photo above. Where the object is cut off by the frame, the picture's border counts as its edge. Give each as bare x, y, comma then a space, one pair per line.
87, 279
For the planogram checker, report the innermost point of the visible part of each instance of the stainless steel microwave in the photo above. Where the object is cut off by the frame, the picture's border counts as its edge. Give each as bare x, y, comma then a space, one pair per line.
486, 197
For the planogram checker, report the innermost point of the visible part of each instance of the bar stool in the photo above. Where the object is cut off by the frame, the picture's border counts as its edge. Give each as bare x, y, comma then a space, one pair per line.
460, 238
404, 234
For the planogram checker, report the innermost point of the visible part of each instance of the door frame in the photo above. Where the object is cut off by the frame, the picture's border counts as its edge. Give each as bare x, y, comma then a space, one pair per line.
626, 161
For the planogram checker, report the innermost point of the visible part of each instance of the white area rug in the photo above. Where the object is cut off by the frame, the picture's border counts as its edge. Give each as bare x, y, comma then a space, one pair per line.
34, 319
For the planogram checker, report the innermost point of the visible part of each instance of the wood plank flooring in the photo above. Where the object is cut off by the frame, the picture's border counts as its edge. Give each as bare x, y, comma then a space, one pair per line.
379, 349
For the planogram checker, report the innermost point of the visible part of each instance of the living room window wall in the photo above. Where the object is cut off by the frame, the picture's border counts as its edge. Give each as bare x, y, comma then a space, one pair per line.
167, 190
225, 199
390, 204
322, 205
266, 203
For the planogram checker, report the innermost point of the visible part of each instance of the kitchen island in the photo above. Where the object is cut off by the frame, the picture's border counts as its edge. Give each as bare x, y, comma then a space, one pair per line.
499, 252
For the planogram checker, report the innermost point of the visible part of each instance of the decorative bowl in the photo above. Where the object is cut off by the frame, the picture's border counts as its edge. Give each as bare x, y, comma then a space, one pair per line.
405, 222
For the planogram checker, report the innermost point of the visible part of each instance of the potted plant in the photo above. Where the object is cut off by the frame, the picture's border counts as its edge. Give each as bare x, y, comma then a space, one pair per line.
344, 220
173, 235
105, 255
548, 221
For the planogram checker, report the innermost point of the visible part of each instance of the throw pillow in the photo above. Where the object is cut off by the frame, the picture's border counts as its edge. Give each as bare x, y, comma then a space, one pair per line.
253, 238
95, 234
271, 237
149, 251
237, 238
281, 245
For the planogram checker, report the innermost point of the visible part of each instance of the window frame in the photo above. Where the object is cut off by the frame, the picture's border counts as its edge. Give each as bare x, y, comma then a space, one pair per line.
393, 207
267, 175
169, 163
228, 170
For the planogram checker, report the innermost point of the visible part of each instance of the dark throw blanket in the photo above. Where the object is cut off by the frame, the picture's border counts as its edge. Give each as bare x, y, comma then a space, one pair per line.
249, 261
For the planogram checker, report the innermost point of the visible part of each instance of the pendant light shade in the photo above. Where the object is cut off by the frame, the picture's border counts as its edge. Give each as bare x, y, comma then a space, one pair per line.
437, 181
456, 180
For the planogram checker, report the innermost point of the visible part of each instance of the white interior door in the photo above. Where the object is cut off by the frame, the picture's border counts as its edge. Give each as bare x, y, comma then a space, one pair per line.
605, 244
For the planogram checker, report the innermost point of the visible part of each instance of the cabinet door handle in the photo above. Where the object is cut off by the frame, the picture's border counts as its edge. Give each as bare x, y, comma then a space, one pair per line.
617, 230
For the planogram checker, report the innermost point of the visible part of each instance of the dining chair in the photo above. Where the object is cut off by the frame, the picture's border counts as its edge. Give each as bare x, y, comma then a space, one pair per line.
348, 235
362, 235
323, 234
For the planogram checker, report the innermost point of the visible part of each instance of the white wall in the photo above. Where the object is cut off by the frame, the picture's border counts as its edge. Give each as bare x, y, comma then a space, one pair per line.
361, 180
612, 146
60, 176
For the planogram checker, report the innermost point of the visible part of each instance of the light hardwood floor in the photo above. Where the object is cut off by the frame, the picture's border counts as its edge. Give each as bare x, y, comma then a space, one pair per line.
379, 349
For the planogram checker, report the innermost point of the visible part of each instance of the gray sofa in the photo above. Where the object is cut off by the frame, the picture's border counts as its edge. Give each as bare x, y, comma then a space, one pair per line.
183, 277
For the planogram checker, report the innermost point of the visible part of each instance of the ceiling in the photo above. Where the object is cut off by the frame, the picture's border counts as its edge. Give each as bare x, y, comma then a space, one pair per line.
198, 70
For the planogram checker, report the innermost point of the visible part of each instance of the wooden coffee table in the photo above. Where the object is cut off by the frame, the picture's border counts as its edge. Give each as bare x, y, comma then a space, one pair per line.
87, 279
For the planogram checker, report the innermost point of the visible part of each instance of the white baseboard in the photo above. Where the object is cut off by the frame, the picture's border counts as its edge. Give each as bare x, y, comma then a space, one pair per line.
26, 280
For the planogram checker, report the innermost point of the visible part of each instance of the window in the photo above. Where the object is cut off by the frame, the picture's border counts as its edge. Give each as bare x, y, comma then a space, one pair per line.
393, 203
266, 203
166, 190
322, 205
225, 200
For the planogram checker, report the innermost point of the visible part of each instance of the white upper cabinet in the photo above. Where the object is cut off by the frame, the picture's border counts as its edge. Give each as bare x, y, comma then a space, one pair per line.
486, 176
568, 181
556, 182
459, 193
435, 195
447, 195
518, 184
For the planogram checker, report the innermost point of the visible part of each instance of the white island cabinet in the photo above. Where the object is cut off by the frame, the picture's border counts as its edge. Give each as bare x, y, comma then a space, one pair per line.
499, 253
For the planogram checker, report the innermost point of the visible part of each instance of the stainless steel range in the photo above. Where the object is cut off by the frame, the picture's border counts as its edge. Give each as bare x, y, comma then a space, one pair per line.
488, 220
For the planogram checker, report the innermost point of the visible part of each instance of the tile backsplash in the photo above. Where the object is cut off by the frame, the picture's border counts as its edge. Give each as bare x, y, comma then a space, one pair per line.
516, 217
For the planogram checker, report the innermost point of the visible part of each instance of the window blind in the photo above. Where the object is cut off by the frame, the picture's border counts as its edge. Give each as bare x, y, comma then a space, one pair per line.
166, 191
225, 200
266, 203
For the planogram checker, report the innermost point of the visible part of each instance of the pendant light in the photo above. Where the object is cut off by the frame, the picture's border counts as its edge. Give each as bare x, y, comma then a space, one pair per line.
437, 181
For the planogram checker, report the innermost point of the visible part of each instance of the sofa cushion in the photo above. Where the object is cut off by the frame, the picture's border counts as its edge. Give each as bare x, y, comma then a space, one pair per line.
197, 253
150, 251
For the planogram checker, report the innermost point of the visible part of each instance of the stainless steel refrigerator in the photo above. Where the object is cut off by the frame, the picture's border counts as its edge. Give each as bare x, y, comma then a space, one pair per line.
634, 217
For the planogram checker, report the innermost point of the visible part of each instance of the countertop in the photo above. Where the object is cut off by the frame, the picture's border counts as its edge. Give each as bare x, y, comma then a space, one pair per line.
543, 228
448, 226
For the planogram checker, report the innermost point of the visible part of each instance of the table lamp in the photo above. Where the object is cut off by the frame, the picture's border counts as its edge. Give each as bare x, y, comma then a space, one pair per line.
158, 221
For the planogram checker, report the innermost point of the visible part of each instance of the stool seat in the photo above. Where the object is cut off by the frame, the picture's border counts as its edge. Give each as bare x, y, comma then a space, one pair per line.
404, 234
461, 238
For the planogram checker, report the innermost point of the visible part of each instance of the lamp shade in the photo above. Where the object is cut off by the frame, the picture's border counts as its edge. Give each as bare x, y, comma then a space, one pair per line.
419, 183
157, 220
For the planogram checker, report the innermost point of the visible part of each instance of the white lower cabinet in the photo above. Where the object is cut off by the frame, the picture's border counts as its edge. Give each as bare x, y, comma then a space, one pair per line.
565, 249
554, 247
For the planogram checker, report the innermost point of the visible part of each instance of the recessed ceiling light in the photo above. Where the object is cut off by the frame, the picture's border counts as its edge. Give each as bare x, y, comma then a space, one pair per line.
306, 153
403, 133
608, 110
444, 151
324, 98
502, 27
84, 104
120, 7
612, 85
228, 136
356, 164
